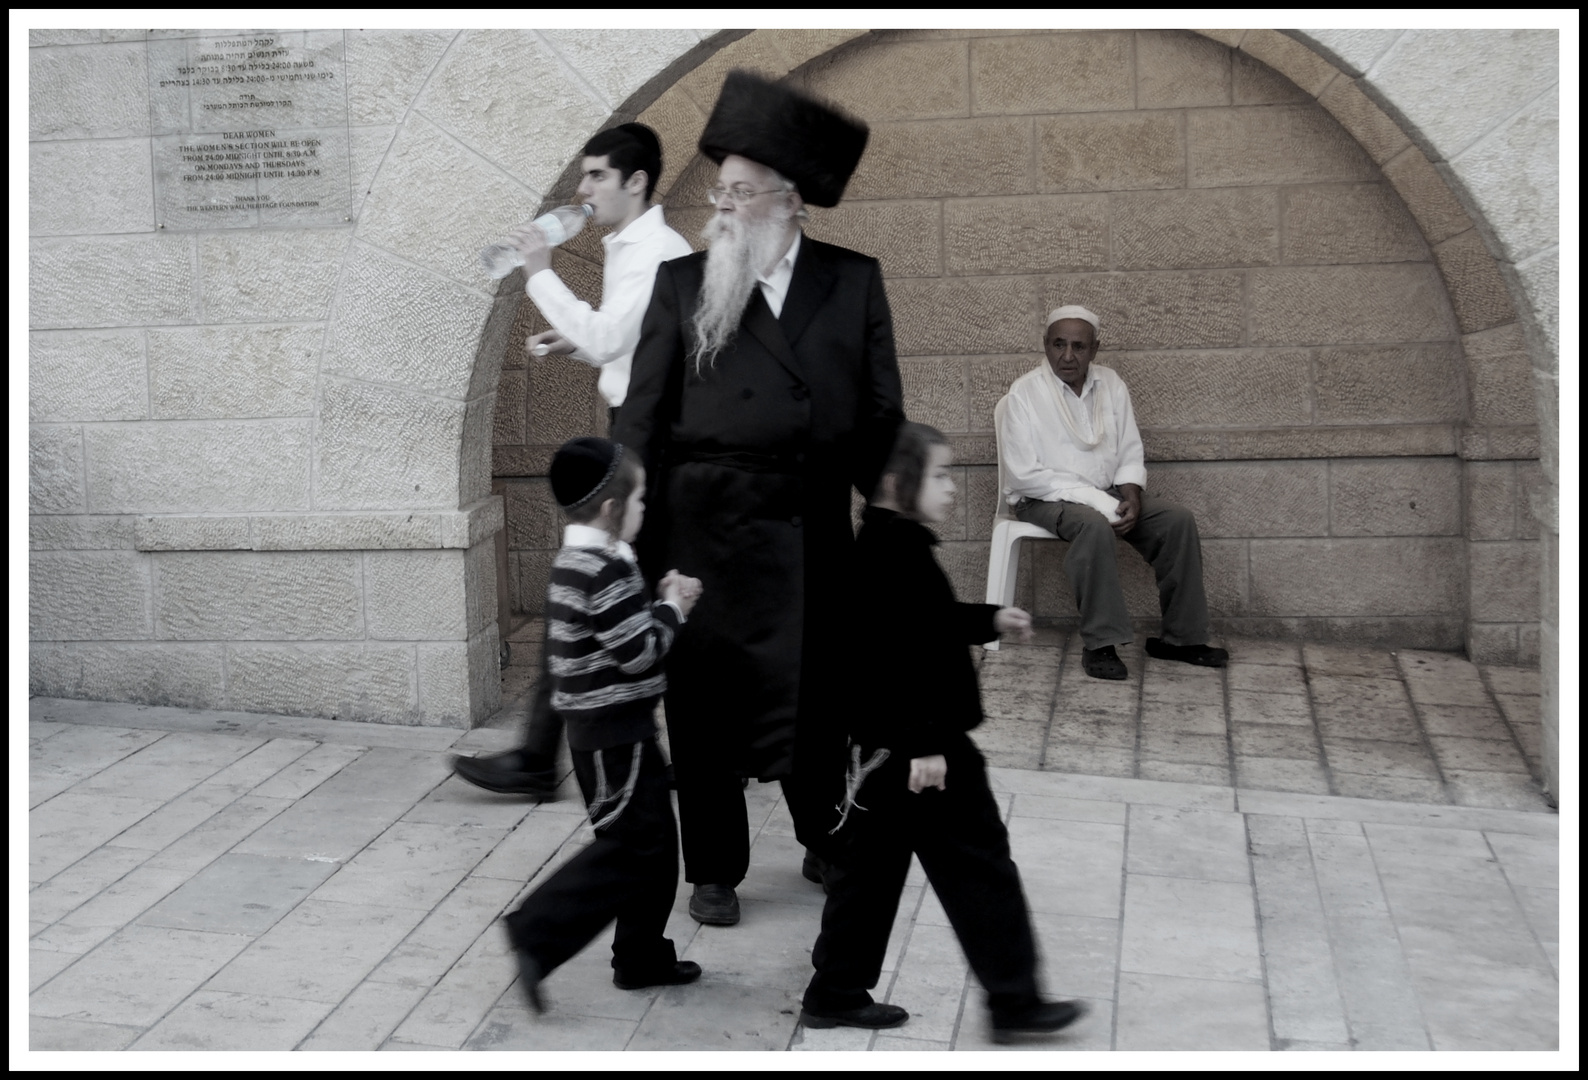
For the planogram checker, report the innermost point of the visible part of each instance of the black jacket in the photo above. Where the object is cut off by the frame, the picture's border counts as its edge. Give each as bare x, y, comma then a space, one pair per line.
750, 467
919, 685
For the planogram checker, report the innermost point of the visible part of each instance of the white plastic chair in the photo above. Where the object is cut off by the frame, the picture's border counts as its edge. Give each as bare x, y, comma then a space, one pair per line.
1003, 560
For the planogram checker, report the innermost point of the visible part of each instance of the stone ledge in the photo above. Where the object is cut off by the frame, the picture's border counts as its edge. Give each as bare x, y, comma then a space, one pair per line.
321, 532
1511, 443
1266, 444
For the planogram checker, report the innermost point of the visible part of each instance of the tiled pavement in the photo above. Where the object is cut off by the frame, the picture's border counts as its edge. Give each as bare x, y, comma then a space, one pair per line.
204, 880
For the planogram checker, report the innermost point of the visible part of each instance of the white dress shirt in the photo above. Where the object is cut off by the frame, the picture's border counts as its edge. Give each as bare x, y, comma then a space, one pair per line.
1045, 459
774, 285
607, 338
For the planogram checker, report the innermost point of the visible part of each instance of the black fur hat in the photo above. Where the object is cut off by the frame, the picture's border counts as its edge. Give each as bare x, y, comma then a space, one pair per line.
811, 143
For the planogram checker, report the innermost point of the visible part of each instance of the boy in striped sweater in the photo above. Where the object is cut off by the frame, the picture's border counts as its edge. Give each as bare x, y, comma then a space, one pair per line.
605, 641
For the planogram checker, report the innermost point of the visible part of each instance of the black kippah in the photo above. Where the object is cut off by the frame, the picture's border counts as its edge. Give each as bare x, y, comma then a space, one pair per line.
582, 467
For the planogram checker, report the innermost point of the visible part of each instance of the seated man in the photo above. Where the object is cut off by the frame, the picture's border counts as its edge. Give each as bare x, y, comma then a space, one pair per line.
1074, 466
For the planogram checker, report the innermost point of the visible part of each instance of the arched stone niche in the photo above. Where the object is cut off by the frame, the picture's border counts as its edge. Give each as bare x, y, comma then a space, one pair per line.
366, 487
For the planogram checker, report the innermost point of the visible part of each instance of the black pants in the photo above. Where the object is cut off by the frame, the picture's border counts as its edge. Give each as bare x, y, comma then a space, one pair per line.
630, 873
963, 847
544, 730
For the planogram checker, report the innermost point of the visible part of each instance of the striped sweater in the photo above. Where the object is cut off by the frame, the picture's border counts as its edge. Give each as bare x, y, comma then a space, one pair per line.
605, 641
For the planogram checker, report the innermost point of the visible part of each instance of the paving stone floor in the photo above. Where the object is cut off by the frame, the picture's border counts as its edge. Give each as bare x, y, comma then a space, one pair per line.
1382, 874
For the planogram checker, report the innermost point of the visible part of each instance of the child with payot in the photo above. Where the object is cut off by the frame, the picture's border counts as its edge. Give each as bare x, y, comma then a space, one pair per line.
917, 784
605, 641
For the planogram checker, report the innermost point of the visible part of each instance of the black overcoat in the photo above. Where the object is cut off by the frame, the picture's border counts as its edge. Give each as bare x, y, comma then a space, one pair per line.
750, 466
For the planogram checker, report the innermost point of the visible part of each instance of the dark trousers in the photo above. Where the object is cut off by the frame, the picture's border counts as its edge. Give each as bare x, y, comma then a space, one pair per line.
1165, 535
543, 731
959, 837
630, 873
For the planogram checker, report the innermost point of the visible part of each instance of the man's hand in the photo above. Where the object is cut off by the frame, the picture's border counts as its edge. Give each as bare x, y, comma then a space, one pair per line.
531, 243
928, 772
554, 342
1011, 620
681, 590
1129, 509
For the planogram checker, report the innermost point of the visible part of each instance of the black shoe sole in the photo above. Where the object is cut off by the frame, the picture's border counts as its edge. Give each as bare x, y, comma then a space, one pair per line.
714, 920
811, 1020
671, 979
1005, 1036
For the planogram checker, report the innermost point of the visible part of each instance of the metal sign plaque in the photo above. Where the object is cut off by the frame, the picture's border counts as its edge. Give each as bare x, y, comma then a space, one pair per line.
250, 128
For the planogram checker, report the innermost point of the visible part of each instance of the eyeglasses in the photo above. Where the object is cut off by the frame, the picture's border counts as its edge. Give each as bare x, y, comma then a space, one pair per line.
736, 196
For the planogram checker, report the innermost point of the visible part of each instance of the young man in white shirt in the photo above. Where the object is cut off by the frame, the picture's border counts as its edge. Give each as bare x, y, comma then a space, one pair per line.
1075, 466
620, 169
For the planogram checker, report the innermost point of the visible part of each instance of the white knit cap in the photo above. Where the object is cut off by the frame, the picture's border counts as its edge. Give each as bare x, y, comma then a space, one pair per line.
1075, 311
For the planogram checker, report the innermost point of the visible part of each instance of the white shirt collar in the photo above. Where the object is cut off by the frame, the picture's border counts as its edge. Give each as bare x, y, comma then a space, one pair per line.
638, 229
780, 273
588, 536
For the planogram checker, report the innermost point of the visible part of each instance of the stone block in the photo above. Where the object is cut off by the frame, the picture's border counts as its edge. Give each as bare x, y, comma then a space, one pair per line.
617, 63
1437, 210
342, 682
1455, 85
368, 147
265, 275
935, 392
397, 324
1127, 151
906, 237
1493, 643
111, 281
1041, 73
1354, 50
677, 121
1491, 500
379, 448
1350, 223
1199, 309
414, 595
219, 372
280, 596
99, 92
80, 533
1253, 82
930, 159
533, 520
1279, 498
1398, 384
55, 470
1498, 375
504, 95
474, 524
1205, 389
1283, 144
180, 676
1531, 488
979, 499
1031, 235
459, 682
387, 68
479, 586
1407, 576
87, 376
1477, 291
914, 80
1180, 229
1523, 156
534, 569
470, 203
184, 468
1304, 305
1295, 61
102, 186
87, 595
990, 379
964, 315
1505, 580
1402, 497
965, 563
315, 532
198, 533
1178, 69
562, 400
1379, 135
508, 426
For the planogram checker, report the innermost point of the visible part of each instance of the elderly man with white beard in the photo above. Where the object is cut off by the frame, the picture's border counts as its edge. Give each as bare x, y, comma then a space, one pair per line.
765, 389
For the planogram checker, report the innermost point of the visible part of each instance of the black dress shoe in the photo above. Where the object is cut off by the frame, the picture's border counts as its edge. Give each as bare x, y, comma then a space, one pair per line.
1038, 1020
1103, 663
1200, 655
507, 774
875, 1016
814, 870
714, 905
681, 972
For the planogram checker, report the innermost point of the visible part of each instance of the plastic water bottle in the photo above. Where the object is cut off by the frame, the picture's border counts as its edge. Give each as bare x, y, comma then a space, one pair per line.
559, 226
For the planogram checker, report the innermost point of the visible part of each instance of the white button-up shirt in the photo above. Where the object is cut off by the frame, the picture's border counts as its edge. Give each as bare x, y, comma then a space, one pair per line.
1044, 460
774, 285
607, 338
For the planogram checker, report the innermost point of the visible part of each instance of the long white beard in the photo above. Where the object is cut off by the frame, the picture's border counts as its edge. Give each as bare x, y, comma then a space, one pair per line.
737, 253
